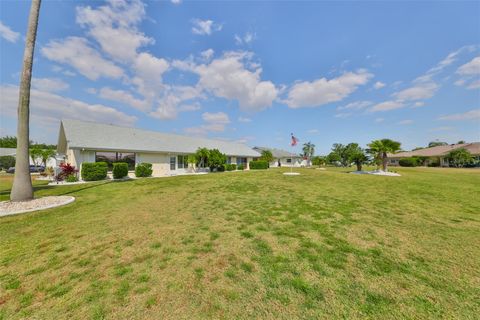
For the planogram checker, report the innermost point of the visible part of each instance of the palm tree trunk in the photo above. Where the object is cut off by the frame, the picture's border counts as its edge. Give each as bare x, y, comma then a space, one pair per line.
359, 166
384, 161
22, 189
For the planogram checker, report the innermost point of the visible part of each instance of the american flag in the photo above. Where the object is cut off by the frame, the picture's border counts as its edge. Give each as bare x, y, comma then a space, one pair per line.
294, 140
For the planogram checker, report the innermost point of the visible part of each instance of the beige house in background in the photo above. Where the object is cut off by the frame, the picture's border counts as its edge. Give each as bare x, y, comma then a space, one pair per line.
82, 141
282, 158
438, 152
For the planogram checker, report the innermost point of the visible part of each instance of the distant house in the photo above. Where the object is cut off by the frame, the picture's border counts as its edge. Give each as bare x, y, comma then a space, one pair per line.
285, 158
81, 141
438, 153
52, 162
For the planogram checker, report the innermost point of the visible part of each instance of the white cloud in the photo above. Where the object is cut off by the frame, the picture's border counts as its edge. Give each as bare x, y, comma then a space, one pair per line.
323, 91
207, 54
123, 97
379, 85
49, 84
343, 115
8, 34
418, 104
418, 92
176, 1
441, 129
471, 68
378, 120
47, 106
148, 74
244, 119
386, 106
114, 27
246, 39
173, 101
76, 52
405, 122
214, 122
228, 77
91, 90
357, 105
205, 27
469, 115
474, 85
219, 117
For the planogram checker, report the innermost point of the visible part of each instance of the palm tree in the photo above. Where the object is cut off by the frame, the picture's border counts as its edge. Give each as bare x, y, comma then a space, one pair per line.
308, 150
380, 148
22, 189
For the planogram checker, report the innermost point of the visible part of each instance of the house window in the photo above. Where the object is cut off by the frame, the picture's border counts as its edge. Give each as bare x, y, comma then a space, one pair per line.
182, 162
173, 163
289, 160
241, 161
111, 157
229, 160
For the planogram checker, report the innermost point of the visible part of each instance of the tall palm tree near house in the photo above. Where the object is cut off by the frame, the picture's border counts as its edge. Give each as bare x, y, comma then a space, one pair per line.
308, 150
380, 148
22, 189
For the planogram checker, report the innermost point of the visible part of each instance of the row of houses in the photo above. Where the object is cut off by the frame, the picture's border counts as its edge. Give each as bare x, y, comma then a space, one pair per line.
82, 141
437, 154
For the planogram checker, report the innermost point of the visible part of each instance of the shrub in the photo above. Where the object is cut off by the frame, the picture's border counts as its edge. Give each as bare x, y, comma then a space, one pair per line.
434, 162
143, 170
71, 178
94, 171
408, 162
230, 167
120, 170
259, 164
67, 170
240, 167
7, 162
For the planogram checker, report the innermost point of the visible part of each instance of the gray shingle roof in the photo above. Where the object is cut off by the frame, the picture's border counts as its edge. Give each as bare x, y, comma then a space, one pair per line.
7, 152
277, 153
97, 136
473, 148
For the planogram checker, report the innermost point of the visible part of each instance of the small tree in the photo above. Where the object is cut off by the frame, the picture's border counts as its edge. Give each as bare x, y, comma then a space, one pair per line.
437, 143
319, 161
358, 157
267, 156
308, 150
216, 159
46, 154
459, 157
202, 156
380, 149
8, 142
36, 155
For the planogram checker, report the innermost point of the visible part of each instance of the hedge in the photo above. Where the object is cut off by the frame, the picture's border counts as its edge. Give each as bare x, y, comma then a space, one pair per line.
408, 162
7, 162
93, 171
230, 167
143, 170
258, 164
240, 167
120, 170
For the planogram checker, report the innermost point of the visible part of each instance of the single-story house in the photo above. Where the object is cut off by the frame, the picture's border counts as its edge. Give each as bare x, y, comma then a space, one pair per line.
282, 158
82, 141
52, 162
435, 154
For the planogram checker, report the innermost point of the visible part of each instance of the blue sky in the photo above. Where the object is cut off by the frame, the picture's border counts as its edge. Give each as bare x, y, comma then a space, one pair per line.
251, 71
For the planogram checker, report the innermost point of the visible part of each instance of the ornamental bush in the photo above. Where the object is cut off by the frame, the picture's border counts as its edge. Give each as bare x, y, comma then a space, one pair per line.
258, 165
71, 178
240, 167
94, 171
143, 170
6, 162
230, 167
120, 170
408, 162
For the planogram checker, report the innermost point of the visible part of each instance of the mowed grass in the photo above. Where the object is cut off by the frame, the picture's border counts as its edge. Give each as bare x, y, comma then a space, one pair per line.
244, 245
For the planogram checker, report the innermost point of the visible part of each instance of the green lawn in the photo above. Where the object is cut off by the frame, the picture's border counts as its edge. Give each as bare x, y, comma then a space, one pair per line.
241, 245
